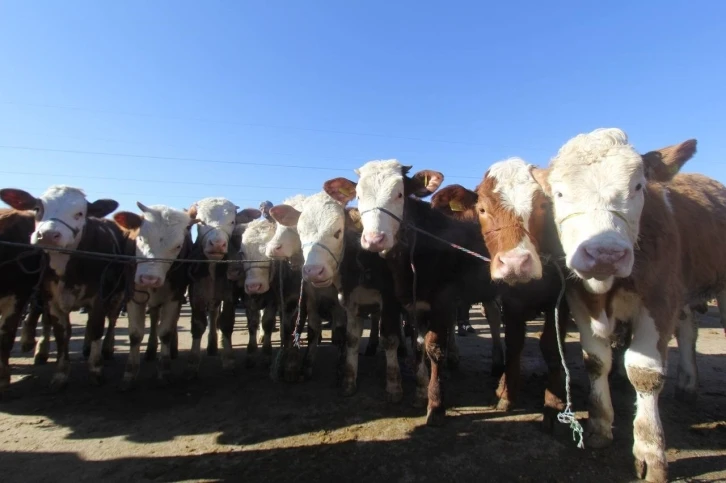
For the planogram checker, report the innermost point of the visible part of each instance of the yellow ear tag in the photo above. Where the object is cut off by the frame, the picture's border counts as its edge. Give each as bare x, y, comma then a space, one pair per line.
455, 206
345, 191
426, 180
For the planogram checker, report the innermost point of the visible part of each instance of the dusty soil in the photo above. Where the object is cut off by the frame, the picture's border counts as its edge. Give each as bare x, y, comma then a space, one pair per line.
244, 427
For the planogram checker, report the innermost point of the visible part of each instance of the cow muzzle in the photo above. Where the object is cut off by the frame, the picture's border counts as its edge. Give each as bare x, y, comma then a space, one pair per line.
601, 259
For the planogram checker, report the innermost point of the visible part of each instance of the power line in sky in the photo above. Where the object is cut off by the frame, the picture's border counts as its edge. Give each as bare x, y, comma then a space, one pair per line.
237, 123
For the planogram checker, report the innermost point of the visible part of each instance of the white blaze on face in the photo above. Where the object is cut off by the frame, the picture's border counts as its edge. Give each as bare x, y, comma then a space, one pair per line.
517, 190
252, 247
217, 222
598, 183
161, 235
63, 211
380, 185
321, 226
285, 243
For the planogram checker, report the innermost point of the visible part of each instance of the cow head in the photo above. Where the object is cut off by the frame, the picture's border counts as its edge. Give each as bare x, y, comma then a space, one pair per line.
60, 213
285, 243
254, 262
161, 233
321, 226
217, 220
383, 185
598, 183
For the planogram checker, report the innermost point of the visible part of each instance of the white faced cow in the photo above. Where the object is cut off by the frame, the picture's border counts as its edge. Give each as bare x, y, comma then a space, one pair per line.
161, 233
65, 219
285, 243
620, 237
209, 287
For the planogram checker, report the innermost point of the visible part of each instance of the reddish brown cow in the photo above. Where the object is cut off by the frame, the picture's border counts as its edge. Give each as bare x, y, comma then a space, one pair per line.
517, 226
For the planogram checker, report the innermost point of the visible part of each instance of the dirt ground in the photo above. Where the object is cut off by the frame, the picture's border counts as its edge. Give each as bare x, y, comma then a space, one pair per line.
244, 427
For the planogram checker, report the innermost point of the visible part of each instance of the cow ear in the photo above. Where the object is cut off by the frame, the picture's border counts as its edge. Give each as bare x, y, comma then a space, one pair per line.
424, 183
247, 215
19, 199
541, 175
128, 220
285, 215
101, 208
455, 197
341, 190
662, 164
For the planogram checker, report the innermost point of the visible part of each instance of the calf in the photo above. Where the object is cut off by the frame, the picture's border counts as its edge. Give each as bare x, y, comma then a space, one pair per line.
619, 234
209, 287
259, 278
333, 258
443, 201
21, 268
517, 226
65, 219
442, 274
160, 232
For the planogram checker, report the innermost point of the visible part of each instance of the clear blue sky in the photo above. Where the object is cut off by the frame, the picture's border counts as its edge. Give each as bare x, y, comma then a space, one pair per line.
452, 86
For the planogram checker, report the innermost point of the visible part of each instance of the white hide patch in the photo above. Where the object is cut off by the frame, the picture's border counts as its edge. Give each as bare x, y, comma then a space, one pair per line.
515, 185
321, 219
216, 213
287, 236
381, 186
254, 240
63, 203
161, 235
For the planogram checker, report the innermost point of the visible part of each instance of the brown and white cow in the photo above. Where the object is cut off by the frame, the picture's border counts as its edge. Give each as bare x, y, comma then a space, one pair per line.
65, 219
160, 232
20, 268
619, 235
209, 286
516, 222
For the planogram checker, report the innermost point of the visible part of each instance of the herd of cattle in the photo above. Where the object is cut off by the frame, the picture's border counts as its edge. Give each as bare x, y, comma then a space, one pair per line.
629, 241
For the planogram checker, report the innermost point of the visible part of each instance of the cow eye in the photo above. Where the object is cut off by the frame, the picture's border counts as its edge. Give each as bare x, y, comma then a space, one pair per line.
482, 210
178, 247
638, 187
400, 195
337, 234
558, 194
78, 215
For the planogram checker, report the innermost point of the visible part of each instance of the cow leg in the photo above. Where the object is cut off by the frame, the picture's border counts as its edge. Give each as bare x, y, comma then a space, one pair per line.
494, 319
213, 336
687, 372
168, 321
352, 343
42, 348
174, 343
391, 335
402, 350
508, 390
314, 329
226, 326
268, 327
137, 316
597, 355
86, 352
374, 337
435, 345
109, 341
721, 301
548, 345
293, 357
645, 362
61, 323
199, 325
11, 310
30, 324
96, 319
152, 344
253, 326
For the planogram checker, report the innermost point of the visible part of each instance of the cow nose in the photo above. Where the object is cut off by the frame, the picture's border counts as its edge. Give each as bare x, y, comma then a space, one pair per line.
518, 263
375, 238
150, 280
253, 287
313, 270
610, 255
601, 258
219, 245
277, 249
49, 237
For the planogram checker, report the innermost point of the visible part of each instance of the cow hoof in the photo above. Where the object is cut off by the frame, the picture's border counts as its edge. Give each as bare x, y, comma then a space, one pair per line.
597, 441
211, 351
548, 420
86, 351
229, 367
650, 473
420, 401
150, 355
307, 373
59, 382
250, 362
107, 354
504, 405
370, 350
435, 417
96, 378
685, 395
27, 345
40, 359
164, 379
394, 397
4, 383
349, 388
127, 384
174, 353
